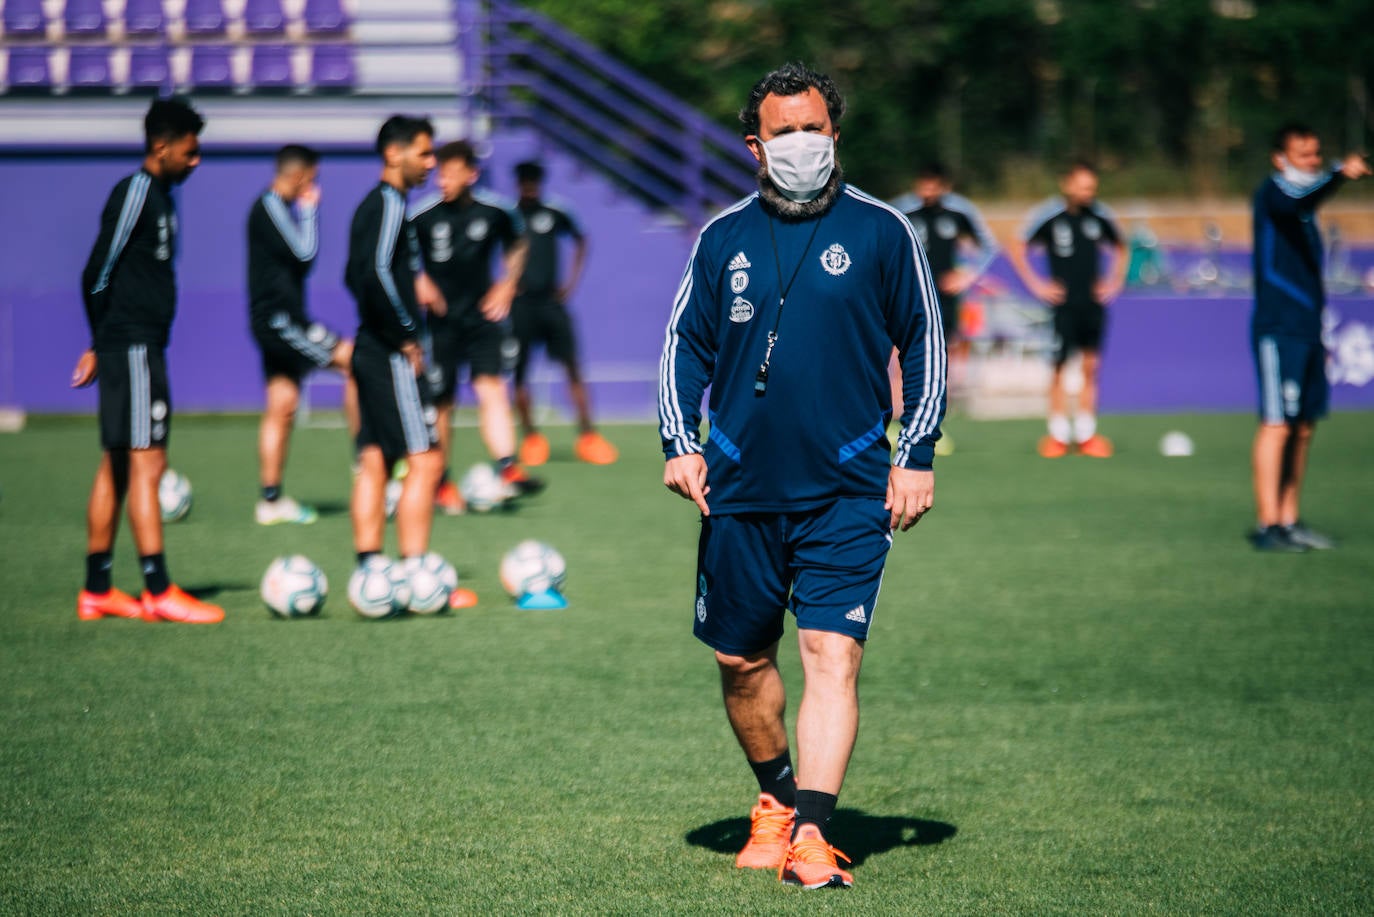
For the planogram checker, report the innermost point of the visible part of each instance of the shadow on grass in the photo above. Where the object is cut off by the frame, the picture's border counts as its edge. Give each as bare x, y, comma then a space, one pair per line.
331, 508
210, 590
857, 833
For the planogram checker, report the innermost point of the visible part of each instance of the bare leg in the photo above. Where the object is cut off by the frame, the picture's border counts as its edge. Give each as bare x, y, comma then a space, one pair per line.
444, 424
828, 720
523, 408
582, 403
754, 702
1059, 401
369, 502
415, 512
1087, 396
1266, 462
274, 433
494, 415
1294, 470
145, 513
343, 362
107, 494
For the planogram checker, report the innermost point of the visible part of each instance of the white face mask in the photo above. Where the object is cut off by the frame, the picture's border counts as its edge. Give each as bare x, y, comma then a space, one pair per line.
800, 163
1295, 176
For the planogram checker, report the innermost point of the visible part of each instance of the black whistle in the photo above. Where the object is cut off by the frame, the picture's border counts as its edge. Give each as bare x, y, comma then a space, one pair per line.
761, 381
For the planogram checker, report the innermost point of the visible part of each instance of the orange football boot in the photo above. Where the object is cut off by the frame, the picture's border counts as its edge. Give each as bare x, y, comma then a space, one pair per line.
595, 449
92, 606
1052, 448
449, 500
770, 830
176, 606
1096, 446
534, 450
810, 862
523, 483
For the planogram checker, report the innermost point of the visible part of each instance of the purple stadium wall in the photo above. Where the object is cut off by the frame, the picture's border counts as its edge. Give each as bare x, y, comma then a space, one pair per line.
1164, 352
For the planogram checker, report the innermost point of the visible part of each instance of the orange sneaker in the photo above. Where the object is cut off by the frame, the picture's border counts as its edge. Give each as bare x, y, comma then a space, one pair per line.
810, 862
449, 500
534, 450
524, 484
176, 606
1096, 446
92, 606
1052, 448
770, 830
462, 598
595, 449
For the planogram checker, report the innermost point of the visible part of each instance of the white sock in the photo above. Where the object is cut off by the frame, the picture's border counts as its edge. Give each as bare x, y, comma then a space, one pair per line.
1084, 426
1059, 428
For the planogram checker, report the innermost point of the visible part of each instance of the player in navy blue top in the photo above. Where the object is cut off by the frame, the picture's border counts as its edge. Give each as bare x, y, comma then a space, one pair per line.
1285, 330
790, 305
130, 293
1074, 229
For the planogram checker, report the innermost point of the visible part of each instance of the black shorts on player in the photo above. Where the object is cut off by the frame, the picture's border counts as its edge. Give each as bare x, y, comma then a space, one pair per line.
135, 399
396, 412
487, 348
541, 319
1078, 327
293, 351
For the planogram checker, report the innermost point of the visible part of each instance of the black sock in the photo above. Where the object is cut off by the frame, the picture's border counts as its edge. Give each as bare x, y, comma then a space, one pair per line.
98, 576
444, 478
364, 555
814, 807
777, 779
503, 463
271, 493
155, 579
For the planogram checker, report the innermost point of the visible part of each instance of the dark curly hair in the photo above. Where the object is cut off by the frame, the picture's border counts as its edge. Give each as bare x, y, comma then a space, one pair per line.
791, 79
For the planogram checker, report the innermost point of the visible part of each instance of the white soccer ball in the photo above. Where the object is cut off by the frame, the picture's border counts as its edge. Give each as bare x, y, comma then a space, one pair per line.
532, 567
432, 580
1176, 444
294, 587
483, 489
392, 496
378, 588
174, 495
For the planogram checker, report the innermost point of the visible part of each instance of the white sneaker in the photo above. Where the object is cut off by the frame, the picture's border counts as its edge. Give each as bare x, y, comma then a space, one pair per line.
282, 511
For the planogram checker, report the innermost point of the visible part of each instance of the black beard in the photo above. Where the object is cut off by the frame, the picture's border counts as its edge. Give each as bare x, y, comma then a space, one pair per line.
795, 211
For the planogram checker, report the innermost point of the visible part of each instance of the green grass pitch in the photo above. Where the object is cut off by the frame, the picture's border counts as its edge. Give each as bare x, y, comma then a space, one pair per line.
1084, 693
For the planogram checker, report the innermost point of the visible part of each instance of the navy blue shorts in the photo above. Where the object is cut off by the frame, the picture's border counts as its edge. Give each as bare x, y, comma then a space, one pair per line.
825, 564
1292, 379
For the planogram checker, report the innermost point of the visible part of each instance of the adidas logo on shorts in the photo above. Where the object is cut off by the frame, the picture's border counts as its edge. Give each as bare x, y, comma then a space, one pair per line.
739, 263
857, 614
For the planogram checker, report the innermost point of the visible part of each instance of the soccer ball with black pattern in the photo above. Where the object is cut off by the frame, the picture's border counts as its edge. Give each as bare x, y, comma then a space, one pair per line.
432, 580
378, 588
533, 567
293, 587
174, 495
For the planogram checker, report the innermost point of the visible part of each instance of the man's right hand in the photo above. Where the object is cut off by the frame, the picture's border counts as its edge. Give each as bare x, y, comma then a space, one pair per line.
1355, 167
85, 371
1051, 291
685, 475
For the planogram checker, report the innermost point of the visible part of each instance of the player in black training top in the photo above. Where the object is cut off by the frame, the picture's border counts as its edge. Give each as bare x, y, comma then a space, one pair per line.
395, 406
942, 221
540, 316
1073, 229
281, 251
129, 289
460, 232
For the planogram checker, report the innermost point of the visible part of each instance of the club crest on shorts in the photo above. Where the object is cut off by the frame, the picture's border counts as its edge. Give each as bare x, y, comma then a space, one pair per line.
741, 310
158, 410
835, 260
739, 282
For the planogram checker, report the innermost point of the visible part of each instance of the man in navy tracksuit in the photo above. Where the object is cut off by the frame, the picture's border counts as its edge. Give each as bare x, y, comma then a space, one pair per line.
1286, 330
789, 308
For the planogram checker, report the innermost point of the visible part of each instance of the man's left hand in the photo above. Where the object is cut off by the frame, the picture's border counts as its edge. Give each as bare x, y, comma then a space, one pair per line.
85, 371
910, 495
1107, 290
495, 306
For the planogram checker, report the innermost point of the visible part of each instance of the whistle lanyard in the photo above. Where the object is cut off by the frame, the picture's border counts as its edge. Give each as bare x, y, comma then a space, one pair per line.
761, 378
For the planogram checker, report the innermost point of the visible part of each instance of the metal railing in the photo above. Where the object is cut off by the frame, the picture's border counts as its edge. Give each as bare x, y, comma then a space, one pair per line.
523, 70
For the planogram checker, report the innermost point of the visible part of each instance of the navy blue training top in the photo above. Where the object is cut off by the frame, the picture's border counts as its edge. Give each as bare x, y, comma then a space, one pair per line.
819, 431
1288, 257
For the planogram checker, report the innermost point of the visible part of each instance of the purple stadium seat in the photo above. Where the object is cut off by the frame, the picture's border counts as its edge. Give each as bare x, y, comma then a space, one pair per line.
28, 71
24, 19
211, 70
272, 68
204, 17
84, 17
144, 17
89, 69
331, 68
325, 16
148, 68
263, 17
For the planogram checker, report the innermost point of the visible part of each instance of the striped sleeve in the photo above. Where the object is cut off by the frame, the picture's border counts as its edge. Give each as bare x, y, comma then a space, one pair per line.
393, 218
117, 223
987, 243
303, 239
1040, 217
